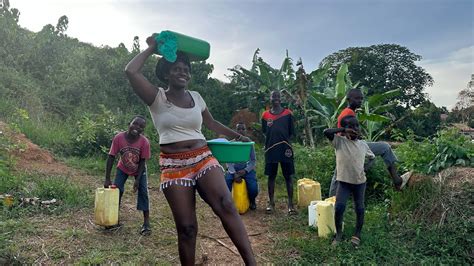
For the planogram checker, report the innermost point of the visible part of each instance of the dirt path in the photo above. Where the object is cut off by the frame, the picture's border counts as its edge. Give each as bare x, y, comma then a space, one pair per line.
72, 237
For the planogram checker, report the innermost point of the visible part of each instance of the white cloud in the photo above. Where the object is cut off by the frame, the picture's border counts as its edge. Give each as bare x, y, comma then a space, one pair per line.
451, 74
99, 23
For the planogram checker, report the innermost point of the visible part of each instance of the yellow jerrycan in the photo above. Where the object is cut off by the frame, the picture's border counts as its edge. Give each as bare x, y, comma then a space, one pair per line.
240, 196
331, 200
308, 190
325, 221
106, 206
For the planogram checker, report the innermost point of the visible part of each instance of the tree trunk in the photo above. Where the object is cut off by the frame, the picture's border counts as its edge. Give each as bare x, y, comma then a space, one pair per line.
308, 132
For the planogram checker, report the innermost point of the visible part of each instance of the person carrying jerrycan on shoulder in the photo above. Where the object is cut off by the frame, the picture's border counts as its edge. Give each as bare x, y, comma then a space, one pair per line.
134, 150
350, 157
246, 170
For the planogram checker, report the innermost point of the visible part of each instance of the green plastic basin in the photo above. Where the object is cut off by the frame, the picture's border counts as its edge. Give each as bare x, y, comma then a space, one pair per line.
231, 152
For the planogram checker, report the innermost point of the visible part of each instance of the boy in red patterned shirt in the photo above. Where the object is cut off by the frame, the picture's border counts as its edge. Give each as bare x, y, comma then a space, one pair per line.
134, 150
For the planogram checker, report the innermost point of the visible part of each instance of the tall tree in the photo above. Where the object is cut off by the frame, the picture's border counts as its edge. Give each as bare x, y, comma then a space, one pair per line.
382, 68
465, 105
61, 27
136, 45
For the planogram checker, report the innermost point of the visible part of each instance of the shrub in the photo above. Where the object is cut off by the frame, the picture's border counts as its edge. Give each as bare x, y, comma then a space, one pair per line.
452, 148
95, 132
317, 164
415, 155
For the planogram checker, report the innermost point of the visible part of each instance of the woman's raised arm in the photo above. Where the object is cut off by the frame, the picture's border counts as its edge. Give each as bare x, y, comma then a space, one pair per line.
142, 87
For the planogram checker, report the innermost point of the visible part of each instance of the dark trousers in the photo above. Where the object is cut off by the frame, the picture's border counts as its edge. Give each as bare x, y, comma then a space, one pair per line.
344, 190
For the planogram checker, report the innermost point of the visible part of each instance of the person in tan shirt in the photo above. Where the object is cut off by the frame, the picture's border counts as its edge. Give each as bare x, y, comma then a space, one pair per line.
350, 157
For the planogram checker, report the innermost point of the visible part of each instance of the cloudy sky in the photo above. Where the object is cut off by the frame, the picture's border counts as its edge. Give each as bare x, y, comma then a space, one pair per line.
441, 31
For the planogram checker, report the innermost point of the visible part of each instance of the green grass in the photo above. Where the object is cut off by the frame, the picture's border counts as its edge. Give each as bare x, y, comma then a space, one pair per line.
91, 165
396, 231
54, 136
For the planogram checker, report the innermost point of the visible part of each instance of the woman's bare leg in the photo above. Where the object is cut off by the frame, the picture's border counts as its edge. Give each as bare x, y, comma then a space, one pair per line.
213, 189
182, 201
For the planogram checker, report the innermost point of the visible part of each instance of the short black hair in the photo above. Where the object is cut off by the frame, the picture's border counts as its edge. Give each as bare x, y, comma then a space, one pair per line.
352, 91
138, 116
345, 120
163, 66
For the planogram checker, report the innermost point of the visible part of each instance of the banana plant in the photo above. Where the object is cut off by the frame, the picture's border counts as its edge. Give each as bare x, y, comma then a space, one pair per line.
257, 82
371, 119
328, 101
297, 96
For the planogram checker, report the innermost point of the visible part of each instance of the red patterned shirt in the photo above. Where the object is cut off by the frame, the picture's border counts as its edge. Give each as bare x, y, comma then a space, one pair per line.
130, 153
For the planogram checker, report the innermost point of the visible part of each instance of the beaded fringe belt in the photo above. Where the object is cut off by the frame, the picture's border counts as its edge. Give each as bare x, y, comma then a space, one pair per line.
186, 167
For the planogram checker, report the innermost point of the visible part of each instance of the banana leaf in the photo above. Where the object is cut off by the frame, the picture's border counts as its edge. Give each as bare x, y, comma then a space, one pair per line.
373, 118
341, 81
377, 99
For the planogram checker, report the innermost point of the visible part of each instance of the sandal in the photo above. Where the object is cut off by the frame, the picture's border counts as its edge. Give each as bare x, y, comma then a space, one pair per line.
355, 241
146, 230
292, 211
405, 177
336, 240
270, 208
113, 227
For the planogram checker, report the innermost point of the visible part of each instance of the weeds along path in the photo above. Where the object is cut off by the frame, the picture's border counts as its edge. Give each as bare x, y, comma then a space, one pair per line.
65, 235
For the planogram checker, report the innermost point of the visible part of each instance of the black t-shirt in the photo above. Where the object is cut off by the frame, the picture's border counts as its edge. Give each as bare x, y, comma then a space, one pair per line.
278, 129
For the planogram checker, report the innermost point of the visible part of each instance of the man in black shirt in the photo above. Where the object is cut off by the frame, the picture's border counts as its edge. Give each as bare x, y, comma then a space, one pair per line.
278, 128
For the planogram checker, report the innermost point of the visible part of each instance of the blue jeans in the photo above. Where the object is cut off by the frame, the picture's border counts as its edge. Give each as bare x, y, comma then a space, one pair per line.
250, 180
381, 149
142, 197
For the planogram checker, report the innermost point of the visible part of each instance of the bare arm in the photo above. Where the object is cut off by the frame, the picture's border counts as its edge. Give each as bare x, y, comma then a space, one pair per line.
142, 87
292, 127
141, 169
108, 169
219, 128
329, 132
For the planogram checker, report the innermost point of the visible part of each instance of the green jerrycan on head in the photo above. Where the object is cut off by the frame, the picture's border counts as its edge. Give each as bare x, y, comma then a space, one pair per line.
170, 42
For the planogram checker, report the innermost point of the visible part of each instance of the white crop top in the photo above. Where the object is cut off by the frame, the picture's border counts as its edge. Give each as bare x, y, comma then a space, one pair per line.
174, 123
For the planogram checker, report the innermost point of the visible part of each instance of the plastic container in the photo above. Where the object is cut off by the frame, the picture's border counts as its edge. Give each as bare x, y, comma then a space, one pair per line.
196, 49
326, 224
231, 152
331, 200
308, 190
8, 200
240, 196
106, 206
313, 213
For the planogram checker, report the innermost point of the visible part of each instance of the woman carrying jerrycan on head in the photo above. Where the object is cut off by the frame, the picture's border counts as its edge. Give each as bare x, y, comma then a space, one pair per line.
186, 162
